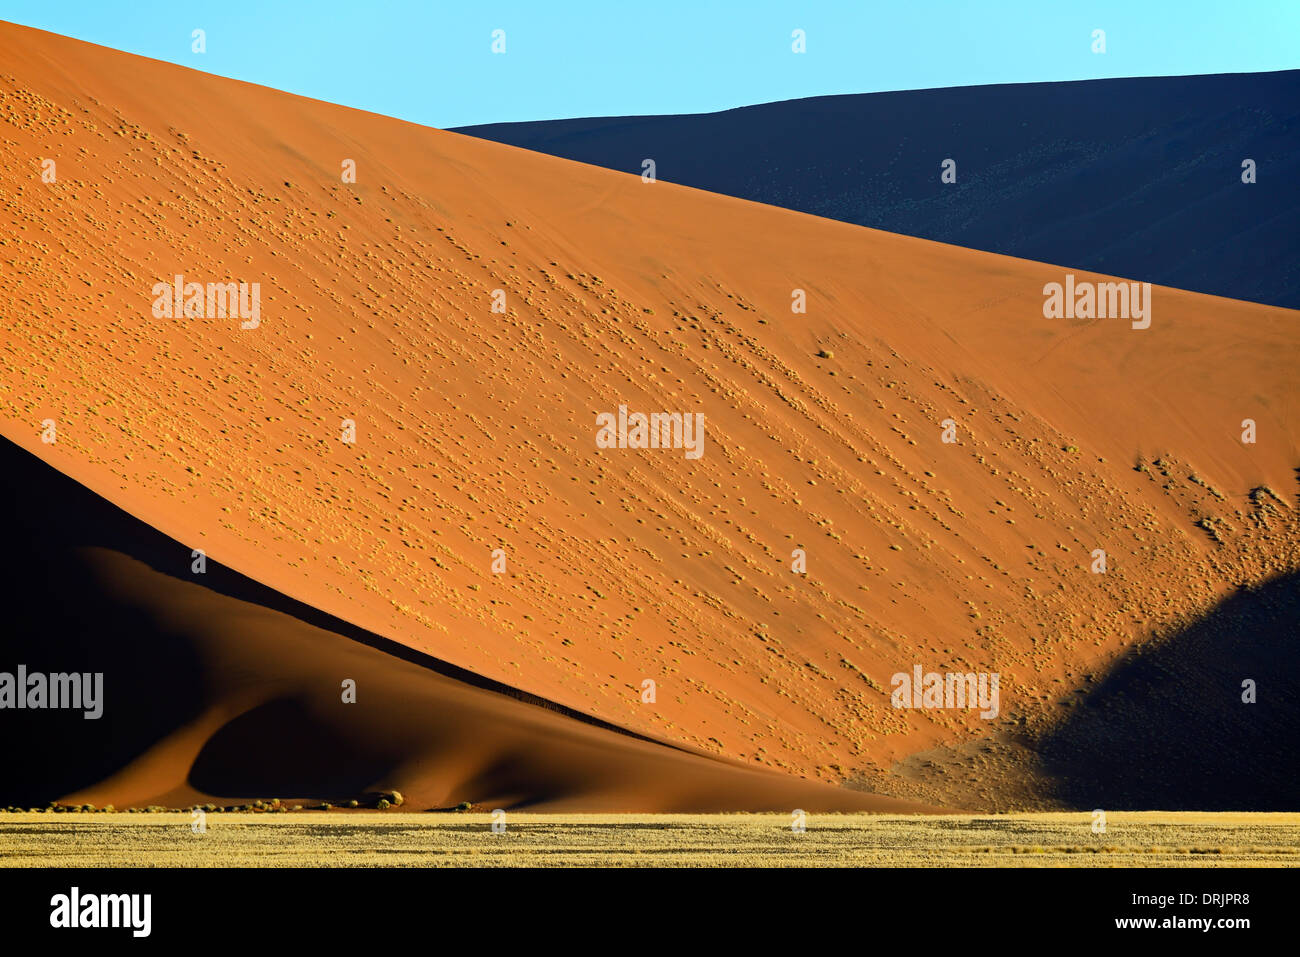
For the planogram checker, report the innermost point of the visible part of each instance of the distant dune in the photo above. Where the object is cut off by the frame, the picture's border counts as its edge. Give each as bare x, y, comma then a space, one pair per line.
475, 441
1136, 177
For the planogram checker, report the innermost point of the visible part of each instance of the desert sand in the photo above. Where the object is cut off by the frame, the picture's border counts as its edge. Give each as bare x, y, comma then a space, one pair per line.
475, 432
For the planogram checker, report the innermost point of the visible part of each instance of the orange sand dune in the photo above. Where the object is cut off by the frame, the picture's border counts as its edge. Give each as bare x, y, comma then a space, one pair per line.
475, 430
217, 689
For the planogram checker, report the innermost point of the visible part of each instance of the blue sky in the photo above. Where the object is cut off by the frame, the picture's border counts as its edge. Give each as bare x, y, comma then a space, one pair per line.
431, 62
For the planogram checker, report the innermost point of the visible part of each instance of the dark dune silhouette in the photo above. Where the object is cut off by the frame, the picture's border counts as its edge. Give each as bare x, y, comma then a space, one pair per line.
1136, 177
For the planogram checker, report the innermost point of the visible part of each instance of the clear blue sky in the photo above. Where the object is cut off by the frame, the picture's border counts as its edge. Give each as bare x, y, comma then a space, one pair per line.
431, 62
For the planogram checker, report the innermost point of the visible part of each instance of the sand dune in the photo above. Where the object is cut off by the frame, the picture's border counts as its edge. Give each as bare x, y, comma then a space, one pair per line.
475, 430
217, 689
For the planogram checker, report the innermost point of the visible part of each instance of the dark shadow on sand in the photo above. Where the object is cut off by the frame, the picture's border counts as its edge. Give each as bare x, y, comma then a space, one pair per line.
1167, 728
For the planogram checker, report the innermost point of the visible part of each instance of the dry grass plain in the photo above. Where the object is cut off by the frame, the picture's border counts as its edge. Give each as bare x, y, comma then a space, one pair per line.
377, 839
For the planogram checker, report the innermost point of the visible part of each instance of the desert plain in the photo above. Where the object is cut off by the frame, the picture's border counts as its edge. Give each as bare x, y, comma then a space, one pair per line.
372, 839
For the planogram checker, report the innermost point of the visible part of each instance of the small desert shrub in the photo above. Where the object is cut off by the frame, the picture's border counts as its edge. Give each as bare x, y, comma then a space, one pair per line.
383, 804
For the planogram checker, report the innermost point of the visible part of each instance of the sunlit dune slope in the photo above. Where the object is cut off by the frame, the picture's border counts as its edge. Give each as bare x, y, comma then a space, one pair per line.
475, 430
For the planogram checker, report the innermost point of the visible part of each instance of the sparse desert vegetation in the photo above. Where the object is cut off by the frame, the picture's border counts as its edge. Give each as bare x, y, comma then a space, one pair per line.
370, 839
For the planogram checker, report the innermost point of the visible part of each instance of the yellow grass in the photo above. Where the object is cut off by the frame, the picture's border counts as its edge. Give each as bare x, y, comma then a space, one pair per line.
374, 839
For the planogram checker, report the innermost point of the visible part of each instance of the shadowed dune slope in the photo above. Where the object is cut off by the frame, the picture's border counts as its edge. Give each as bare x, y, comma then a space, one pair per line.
213, 689
475, 429
1138, 177
1206, 719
